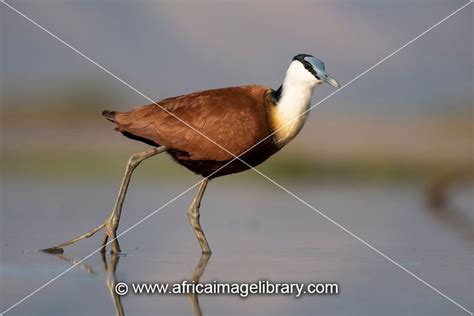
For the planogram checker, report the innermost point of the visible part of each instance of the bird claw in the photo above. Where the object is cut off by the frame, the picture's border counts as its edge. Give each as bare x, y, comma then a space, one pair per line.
53, 250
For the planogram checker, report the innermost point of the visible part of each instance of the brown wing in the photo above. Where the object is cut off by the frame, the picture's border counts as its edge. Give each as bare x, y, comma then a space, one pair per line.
234, 118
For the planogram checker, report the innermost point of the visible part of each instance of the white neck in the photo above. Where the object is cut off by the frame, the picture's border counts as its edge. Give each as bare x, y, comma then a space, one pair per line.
295, 98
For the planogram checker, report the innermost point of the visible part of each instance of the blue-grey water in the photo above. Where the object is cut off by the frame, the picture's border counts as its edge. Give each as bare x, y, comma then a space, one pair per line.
256, 232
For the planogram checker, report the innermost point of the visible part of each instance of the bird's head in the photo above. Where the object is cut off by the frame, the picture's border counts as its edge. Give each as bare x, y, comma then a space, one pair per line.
308, 70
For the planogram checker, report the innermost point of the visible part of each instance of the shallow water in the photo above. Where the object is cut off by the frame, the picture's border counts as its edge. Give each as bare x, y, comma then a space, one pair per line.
256, 232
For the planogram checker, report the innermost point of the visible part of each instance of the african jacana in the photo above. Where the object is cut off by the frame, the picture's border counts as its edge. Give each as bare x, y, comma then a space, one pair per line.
205, 131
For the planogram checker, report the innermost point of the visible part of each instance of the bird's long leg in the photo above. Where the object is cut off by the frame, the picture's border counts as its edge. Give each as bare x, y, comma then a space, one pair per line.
193, 215
111, 223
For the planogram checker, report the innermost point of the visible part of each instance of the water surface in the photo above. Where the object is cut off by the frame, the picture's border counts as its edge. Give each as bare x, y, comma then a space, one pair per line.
255, 231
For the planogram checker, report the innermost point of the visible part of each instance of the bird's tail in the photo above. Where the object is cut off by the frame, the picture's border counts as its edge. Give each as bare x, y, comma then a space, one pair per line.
110, 115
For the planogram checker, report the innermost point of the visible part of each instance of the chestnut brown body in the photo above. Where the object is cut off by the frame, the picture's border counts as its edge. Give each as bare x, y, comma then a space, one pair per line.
236, 118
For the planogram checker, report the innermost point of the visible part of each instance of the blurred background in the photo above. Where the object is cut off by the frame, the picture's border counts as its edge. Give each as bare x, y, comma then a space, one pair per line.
390, 156
408, 117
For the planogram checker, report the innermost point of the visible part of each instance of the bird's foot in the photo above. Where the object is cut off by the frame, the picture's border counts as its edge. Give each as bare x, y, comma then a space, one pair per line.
59, 249
111, 233
53, 250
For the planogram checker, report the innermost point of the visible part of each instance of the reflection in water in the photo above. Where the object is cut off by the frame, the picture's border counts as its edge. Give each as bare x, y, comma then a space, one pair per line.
439, 206
83, 266
198, 272
110, 269
112, 280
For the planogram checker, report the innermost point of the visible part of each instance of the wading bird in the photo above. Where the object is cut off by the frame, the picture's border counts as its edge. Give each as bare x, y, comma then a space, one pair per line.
210, 133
